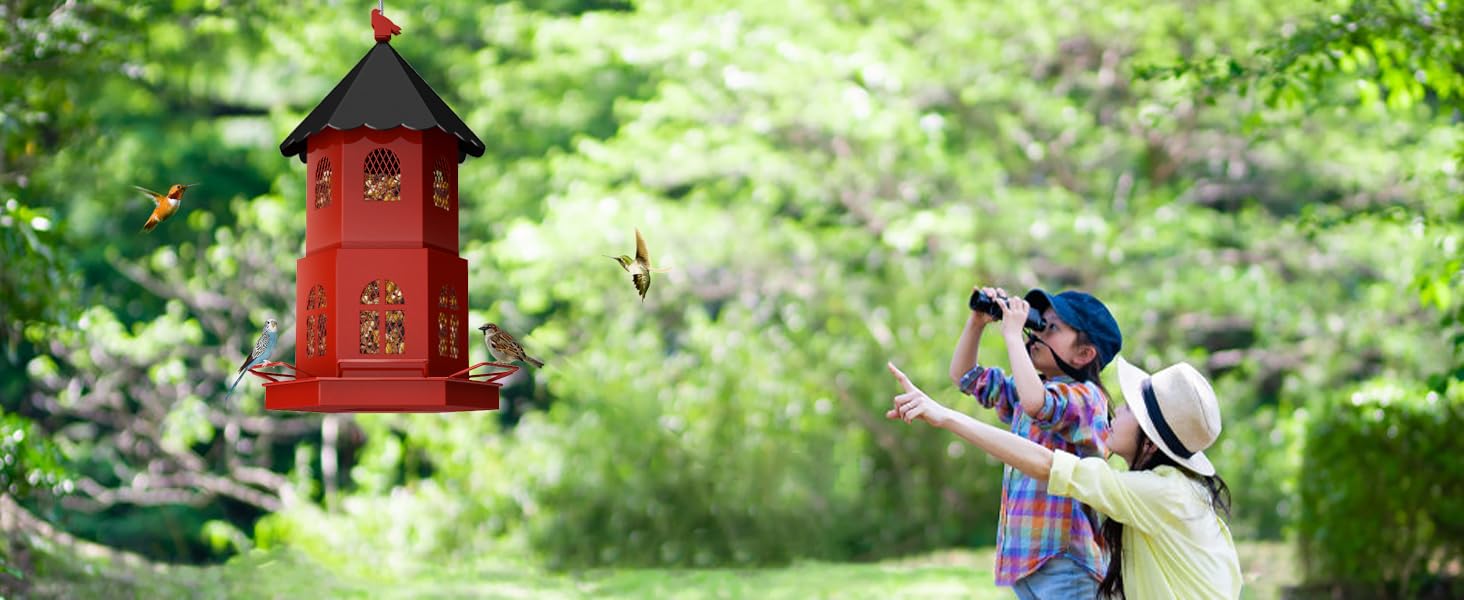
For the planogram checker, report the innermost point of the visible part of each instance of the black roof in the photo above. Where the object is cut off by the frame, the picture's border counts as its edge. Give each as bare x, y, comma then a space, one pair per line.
382, 92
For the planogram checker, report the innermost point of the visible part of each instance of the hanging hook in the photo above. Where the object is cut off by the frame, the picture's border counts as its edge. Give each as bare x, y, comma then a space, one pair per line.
381, 6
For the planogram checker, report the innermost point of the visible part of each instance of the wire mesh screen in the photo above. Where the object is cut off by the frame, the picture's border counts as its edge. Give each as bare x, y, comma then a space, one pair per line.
322, 183
383, 176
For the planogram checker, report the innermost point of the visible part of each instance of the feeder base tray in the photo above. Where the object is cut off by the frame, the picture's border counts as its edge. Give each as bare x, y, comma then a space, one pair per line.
455, 393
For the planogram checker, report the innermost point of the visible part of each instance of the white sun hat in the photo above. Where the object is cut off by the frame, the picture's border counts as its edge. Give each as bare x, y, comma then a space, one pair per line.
1176, 408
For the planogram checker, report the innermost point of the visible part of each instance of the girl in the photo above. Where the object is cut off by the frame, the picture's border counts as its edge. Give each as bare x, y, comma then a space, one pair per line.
1165, 527
1047, 546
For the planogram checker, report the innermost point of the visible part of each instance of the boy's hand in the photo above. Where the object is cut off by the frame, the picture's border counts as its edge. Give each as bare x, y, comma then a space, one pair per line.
1014, 316
914, 404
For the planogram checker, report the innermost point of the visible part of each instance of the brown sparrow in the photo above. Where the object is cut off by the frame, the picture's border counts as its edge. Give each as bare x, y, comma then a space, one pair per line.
504, 348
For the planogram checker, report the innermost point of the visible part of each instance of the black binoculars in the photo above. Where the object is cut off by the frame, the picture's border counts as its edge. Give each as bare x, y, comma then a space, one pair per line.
980, 302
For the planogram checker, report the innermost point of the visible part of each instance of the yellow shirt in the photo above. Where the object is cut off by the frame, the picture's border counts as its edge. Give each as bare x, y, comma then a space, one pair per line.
1174, 544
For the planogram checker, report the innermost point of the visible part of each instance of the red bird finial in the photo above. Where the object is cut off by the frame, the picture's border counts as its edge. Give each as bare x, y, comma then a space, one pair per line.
382, 26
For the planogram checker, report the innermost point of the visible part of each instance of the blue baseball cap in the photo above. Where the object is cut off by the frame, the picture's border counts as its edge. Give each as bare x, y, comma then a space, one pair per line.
1084, 313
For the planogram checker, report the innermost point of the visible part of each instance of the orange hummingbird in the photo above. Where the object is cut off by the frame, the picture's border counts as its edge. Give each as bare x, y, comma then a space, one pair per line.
167, 204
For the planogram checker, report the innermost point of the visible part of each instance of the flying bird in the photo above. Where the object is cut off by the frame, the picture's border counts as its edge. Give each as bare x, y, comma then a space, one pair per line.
263, 348
504, 348
167, 204
639, 267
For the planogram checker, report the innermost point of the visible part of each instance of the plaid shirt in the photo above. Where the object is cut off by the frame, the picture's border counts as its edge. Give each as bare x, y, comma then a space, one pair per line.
1036, 526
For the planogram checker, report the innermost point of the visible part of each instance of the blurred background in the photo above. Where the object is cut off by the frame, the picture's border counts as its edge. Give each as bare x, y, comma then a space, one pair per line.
1269, 190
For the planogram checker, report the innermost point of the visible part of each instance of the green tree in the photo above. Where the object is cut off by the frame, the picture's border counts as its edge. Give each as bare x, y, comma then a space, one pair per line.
827, 180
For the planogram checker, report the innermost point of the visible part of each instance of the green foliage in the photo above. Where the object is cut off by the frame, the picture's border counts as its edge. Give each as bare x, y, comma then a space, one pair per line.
1376, 52
1382, 486
225, 538
66, 572
1438, 288
1403, 57
29, 461
38, 290
827, 181
1380, 481
30, 466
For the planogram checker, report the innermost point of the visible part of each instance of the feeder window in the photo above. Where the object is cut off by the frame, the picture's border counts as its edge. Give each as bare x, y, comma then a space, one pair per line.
395, 326
447, 327
447, 298
447, 324
320, 336
315, 324
370, 332
383, 176
310, 335
322, 183
315, 335
371, 294
439, 185
316, 299
396, 332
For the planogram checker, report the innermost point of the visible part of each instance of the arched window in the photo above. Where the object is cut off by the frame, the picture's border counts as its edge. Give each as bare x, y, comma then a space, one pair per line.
439, 186
383, 293
315, 335
447, 322
383, 176
322, 183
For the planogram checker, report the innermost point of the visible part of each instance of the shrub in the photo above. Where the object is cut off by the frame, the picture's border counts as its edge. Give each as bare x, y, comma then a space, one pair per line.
1382, 487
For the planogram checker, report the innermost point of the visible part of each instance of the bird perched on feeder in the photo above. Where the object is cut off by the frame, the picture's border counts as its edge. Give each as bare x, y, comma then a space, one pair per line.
381, 27
263, 348
167, 204
639, 267
504, 348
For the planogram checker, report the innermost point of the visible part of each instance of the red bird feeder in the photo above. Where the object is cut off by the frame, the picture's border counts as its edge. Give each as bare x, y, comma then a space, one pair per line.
381, 294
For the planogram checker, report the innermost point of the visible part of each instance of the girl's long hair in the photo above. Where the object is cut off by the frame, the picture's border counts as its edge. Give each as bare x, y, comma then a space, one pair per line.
1153, 457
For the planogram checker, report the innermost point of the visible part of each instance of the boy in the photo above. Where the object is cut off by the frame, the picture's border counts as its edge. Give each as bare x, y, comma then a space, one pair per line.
1047, 546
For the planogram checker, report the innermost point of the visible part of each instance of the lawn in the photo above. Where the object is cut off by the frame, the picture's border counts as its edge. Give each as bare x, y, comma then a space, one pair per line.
946, 574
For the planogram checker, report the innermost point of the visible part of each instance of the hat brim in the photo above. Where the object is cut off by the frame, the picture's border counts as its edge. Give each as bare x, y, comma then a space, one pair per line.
1131, 382
1041, 301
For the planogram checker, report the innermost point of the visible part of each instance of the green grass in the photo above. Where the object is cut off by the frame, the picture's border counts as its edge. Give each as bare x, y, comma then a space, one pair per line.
281, 574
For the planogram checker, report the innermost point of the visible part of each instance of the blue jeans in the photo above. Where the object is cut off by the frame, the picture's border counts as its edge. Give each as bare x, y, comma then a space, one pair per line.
1060, 578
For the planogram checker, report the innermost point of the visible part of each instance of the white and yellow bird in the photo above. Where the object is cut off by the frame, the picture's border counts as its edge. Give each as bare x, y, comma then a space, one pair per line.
639, 267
